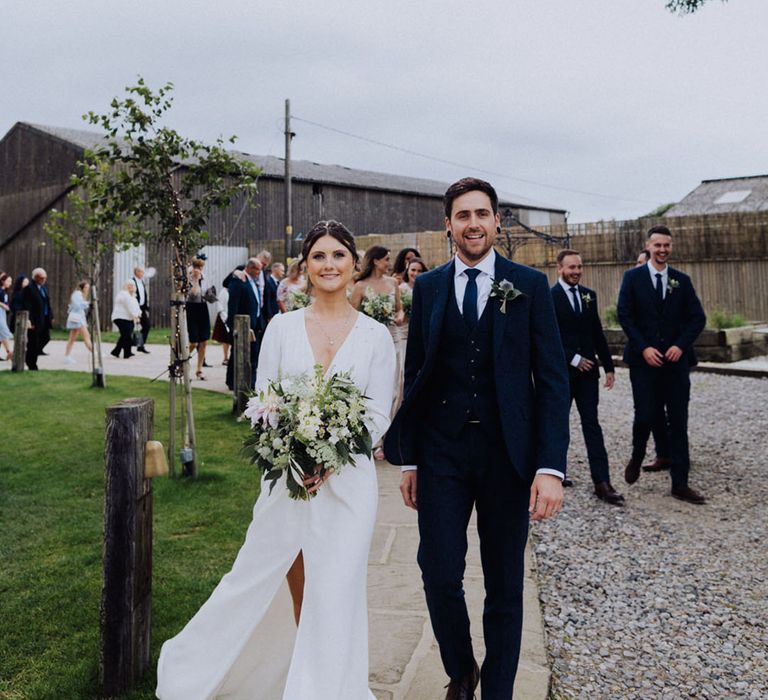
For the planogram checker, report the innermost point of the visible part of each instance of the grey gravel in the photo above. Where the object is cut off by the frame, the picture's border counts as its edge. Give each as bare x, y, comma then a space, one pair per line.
664, 599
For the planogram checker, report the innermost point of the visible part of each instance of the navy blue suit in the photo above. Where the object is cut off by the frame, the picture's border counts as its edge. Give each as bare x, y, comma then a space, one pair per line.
677, 320
483, 408
582, 334
270, 298
243, 300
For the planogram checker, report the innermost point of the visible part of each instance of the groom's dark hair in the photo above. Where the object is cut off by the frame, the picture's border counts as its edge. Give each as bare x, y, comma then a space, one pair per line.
469, 184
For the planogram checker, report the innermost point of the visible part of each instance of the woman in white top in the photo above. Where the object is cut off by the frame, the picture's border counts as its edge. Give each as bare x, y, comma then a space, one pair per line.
77, 323
125, 314
243, 642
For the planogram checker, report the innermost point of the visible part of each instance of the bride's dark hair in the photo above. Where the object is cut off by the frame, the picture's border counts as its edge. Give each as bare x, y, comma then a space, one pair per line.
330, 228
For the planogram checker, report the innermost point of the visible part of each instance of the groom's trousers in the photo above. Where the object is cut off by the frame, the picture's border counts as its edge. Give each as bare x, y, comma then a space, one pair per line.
456, 473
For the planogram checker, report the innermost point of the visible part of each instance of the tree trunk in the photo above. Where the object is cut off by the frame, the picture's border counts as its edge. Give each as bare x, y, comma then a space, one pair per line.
97, 358
241, 356
126, 595
189, 464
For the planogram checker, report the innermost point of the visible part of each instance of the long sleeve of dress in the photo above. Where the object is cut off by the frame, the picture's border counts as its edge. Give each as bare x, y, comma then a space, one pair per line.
381, 383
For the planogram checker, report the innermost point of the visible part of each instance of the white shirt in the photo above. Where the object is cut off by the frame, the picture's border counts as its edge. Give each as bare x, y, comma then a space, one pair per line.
567, 288
664, 276
484, 282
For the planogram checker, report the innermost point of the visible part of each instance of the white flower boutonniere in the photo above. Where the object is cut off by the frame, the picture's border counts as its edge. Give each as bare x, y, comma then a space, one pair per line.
672, 285
505, 291
587, 298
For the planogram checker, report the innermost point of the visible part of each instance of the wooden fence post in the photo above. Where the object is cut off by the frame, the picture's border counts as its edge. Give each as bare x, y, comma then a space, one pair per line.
126, 595
241, 356
20, 340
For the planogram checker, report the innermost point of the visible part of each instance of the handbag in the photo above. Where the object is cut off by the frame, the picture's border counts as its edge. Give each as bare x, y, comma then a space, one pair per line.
210, 294
136, 337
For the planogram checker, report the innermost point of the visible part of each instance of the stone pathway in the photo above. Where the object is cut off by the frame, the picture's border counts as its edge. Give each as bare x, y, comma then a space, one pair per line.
405, 663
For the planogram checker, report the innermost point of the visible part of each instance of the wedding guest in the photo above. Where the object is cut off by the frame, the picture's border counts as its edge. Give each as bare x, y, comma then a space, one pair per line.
583, 342
292, 282
271, 308
76, 320
265, 259
415, 267
401, 263
662, 316
220, 331
125, 315
36, 301
198, 320
660, 429
17, 298
372, 284
143, 299
245, 299
6, 334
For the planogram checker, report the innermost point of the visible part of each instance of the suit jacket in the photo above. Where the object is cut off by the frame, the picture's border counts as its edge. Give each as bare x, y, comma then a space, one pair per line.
529, 369
145, 305
677, 321
34, 303
270, 298
582, 334
243, 300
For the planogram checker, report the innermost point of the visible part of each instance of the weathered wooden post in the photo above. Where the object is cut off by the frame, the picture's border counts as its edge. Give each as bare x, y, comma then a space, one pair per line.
20, 340
241, 356
126, 595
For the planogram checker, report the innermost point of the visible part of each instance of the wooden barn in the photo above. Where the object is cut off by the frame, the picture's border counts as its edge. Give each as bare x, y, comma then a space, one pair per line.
36, 163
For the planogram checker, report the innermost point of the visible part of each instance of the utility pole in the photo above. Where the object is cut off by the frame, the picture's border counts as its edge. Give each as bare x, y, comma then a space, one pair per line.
288, 208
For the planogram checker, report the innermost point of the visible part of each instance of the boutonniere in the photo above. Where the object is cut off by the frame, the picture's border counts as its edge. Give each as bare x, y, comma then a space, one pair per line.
505, 291
672, 285
587, 298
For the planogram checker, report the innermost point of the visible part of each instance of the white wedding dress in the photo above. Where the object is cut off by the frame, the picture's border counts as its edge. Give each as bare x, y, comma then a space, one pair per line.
243, 642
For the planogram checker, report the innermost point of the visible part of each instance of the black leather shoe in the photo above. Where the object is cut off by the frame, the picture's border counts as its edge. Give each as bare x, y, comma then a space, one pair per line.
464, 688
605, 492
686, 493
143, 349
632, 472
114, 353
659, 464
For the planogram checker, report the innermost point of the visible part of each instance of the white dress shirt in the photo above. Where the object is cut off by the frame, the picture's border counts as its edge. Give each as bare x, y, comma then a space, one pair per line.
567, 289
140, 291
664, 276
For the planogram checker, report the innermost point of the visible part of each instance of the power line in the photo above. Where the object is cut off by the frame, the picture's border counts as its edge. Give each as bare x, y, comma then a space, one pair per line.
464, 165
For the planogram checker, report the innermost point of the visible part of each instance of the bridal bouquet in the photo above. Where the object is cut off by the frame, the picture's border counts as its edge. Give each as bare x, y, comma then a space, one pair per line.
406, 299
379, 307
298, 299
304, 426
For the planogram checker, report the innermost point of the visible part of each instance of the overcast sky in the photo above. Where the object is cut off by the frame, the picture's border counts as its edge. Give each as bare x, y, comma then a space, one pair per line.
559, 101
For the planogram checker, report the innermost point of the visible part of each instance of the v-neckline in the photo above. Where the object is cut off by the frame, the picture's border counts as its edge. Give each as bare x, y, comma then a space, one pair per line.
338, 349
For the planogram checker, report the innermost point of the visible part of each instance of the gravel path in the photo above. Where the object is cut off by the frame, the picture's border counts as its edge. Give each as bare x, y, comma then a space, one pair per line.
663, 599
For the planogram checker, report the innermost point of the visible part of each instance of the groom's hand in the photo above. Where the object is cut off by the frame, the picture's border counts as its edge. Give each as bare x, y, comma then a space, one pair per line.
408, 488
546, 497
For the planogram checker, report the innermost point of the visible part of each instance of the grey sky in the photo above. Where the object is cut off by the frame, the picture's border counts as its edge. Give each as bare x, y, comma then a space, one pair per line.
617, 97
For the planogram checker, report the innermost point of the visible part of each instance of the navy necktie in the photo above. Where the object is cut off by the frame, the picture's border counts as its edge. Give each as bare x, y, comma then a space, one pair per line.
469, 307
576, 305
659, 289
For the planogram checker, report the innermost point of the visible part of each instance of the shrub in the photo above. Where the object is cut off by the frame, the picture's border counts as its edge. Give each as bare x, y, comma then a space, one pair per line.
720, 319
611, 317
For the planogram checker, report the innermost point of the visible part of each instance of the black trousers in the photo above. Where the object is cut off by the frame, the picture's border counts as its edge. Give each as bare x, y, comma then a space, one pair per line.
457, 473
585, 391
654, 391
146, 325
125, 341
34, 347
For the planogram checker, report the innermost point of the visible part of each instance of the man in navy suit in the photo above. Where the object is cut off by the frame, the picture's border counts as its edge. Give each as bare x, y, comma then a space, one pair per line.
245, 298
271, 309
485, 420
662, 317
583, 342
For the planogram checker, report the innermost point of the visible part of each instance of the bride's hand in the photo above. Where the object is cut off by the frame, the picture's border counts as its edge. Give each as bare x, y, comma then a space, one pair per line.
314, 481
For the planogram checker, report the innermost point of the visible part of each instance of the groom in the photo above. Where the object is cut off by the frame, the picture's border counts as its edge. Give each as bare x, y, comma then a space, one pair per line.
485, 419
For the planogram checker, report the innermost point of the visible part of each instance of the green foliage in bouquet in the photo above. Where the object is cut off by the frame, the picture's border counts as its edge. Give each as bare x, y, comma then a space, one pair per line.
406, 299
378, 306
306, 425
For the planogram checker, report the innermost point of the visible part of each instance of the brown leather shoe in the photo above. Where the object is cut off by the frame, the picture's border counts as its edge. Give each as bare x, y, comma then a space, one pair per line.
605, 492
464, 688
686, 493
659, 464
632, 472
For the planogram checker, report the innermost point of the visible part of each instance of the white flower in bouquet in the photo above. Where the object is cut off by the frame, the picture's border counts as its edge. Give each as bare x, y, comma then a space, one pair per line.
378, 306
306, 425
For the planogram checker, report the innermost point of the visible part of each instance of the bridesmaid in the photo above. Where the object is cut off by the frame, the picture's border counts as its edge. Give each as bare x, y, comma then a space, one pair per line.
373, 279
402, 261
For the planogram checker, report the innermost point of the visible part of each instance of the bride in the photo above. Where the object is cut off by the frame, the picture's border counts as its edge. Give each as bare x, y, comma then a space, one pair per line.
243, 642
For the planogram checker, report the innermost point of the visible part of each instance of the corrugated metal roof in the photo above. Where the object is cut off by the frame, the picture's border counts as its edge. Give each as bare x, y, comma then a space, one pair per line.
733, 194
308, 171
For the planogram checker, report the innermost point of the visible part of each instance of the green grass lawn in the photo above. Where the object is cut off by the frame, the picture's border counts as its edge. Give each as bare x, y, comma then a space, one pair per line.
51, 501
157, 336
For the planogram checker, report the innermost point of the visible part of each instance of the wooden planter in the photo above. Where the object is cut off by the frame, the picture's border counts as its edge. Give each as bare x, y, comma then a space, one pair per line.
728, 345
